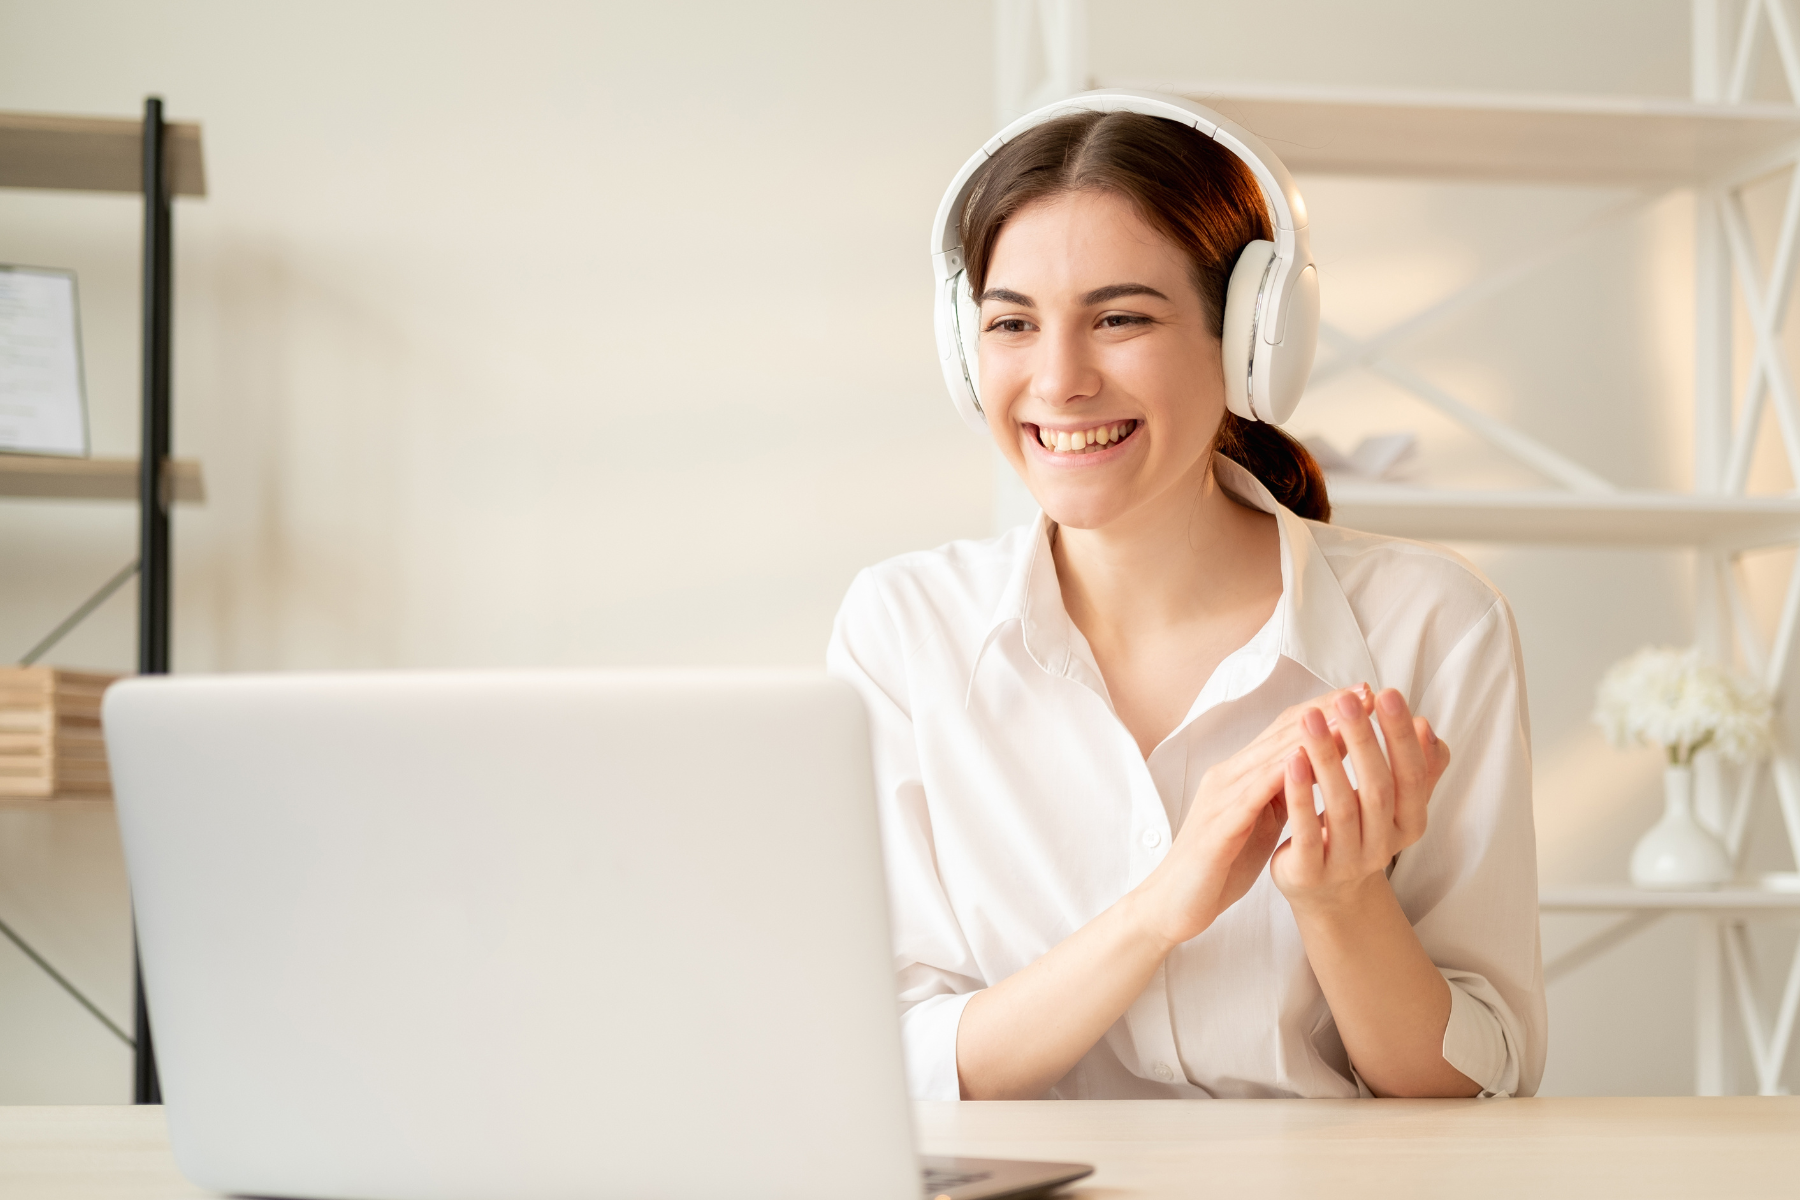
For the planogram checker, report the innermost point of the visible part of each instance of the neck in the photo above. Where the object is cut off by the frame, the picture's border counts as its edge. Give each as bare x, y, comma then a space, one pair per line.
1193, 555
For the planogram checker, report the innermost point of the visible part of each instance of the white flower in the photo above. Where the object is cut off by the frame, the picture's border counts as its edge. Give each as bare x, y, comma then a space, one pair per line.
1682, 703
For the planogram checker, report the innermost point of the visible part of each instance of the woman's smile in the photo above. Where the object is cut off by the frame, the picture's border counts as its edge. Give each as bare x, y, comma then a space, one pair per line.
1083, 440
1088, 445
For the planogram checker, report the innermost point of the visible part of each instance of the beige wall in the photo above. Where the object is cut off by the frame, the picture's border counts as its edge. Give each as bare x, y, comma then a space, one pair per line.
599, 333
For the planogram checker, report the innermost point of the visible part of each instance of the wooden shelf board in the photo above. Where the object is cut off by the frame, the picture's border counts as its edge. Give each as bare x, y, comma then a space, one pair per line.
1597, 140
93, 154
46, 478
1553, 518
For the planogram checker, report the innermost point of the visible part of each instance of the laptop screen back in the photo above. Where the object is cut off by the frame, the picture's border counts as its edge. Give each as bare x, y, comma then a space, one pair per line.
423, 936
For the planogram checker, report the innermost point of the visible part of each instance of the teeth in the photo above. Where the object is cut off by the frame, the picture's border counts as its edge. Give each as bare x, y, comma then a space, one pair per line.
1064, 441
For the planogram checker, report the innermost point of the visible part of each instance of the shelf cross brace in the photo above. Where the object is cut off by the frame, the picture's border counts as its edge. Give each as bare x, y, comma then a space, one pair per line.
1521, 446
1770, 1039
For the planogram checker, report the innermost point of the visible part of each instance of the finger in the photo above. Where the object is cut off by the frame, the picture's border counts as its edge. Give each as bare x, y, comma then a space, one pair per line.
1282, 734
1237, 802
1259, 764
1303, 819
1343, 817
1406, 760
1333, 705
1437, 750
1374, 780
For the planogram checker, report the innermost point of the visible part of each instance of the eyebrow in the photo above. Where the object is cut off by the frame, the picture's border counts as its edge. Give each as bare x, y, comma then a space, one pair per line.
1118, 291
1112, 291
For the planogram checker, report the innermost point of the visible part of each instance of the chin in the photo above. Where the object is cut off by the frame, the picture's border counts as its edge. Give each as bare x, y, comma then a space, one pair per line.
1078, 511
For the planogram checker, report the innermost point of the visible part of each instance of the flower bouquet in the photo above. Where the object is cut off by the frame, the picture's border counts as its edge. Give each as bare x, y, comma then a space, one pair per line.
1680, 701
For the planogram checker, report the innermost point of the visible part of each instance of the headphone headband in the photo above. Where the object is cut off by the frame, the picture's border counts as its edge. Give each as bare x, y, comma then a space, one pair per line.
1288, 284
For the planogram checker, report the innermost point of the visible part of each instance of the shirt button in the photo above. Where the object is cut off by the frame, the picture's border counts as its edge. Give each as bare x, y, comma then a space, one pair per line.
1152, 838
1162, 1071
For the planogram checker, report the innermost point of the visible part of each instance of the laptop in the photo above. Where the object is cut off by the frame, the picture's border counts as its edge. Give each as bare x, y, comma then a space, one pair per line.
457, 935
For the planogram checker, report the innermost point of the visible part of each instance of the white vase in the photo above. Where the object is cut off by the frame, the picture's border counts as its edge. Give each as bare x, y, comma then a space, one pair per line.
1678, 852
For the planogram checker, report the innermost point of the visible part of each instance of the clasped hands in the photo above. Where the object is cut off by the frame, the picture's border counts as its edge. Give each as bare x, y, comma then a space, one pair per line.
1237, 816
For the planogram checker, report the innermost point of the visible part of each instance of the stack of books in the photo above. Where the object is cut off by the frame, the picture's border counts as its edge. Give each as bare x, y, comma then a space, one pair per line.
50, 743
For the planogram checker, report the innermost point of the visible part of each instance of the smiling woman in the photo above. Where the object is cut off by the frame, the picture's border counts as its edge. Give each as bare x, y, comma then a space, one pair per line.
1155, 769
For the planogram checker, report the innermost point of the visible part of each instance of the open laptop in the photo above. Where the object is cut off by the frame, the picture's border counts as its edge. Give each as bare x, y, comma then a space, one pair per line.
435, 936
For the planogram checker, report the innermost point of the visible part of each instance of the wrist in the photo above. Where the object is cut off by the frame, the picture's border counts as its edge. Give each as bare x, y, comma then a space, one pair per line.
1149, 922
1340, 901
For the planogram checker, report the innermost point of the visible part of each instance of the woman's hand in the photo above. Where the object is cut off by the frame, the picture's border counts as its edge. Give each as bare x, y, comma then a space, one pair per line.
1233, 824
1332, 855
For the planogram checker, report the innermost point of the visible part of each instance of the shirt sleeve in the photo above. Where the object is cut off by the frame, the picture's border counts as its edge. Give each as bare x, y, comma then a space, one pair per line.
1469, 886
935, 971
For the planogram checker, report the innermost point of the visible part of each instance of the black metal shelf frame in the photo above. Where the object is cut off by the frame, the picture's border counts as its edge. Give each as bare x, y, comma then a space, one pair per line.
153, 498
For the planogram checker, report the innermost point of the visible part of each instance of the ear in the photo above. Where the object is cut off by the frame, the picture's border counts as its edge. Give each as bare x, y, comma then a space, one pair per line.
1235, 346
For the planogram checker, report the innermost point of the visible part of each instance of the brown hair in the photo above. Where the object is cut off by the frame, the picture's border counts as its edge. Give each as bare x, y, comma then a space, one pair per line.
1194, 192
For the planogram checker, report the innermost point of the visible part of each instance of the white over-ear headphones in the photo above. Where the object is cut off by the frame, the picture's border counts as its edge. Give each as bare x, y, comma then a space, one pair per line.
1271, 303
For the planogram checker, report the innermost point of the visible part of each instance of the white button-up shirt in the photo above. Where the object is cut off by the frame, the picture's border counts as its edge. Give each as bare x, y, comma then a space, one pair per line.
1016, 807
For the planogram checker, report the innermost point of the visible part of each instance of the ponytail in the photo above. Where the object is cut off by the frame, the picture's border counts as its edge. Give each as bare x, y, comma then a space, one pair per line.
1282, 464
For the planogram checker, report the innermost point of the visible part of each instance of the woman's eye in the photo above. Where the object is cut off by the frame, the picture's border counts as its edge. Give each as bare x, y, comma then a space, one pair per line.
1121, 320
1009, 325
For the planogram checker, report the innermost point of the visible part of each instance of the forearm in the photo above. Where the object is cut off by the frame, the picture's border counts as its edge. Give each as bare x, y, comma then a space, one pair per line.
1020, 1036
1389, 1000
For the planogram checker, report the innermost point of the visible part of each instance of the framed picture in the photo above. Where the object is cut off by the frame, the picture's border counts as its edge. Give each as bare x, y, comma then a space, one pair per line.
43, 398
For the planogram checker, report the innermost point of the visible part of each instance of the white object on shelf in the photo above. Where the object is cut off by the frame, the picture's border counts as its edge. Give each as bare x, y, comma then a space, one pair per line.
43, 407
1676, 853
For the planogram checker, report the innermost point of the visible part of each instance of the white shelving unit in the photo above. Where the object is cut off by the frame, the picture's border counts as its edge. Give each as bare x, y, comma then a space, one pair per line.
1715, 144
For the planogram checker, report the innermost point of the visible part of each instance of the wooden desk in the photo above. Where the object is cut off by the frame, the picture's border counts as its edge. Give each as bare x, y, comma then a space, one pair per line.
1741, 1148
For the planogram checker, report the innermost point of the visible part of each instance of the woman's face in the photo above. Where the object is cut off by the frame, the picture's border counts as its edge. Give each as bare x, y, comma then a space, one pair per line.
1100, 379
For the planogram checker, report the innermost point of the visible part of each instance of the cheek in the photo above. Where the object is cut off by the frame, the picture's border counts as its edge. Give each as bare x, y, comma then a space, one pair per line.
1000, 378
1186, 391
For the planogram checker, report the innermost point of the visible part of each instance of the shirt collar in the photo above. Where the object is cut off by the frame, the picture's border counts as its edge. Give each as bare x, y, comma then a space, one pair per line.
1320, 631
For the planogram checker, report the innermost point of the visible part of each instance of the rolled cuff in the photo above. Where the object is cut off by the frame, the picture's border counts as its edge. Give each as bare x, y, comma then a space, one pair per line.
928, 1034
1476, 1039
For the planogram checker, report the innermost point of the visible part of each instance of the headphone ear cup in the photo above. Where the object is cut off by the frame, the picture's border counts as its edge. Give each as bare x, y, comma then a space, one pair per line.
1293, 357
968, 328
1237, 342
955, 316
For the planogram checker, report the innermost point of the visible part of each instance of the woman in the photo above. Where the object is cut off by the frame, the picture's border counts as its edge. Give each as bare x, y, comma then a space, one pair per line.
1098, 736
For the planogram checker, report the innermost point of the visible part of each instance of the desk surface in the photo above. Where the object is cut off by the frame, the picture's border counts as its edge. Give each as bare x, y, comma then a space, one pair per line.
1739, 1147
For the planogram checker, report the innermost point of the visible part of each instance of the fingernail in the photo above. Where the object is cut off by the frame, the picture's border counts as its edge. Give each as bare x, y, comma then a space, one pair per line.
1368, 694
1313, 721
1349, 707
1430, 734
1390, 702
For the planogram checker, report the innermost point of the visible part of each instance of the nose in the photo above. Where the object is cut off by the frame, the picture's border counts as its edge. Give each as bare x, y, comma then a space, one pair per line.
1065, 371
